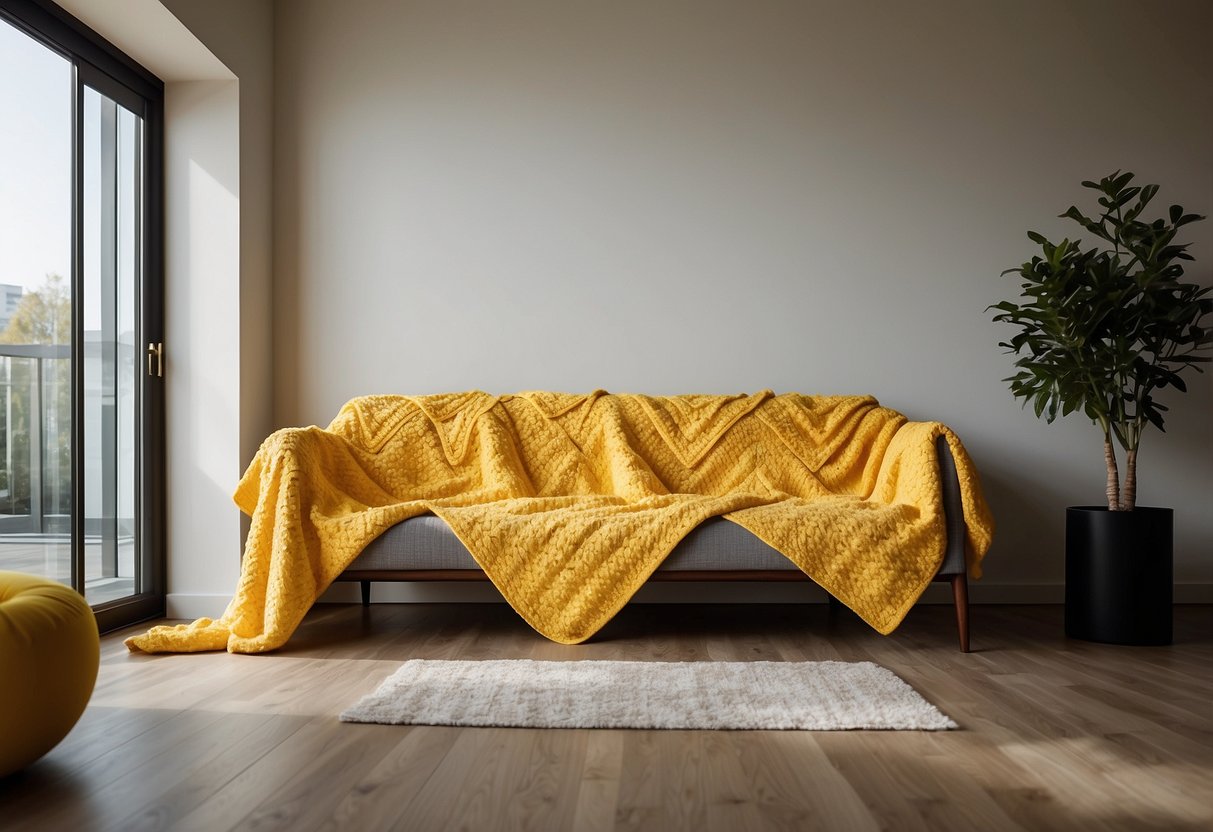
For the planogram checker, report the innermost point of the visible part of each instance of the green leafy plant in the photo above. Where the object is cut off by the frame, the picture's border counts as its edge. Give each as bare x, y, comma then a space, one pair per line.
1103, 330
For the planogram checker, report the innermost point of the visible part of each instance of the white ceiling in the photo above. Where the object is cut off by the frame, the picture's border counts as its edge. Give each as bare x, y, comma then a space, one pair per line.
149, 33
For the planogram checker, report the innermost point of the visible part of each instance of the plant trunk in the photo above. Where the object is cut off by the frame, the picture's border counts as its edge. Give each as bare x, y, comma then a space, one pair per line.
1129, 494
1109, 455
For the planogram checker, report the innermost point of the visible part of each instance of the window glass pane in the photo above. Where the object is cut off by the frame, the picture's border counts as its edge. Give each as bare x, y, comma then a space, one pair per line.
35, 306
112, 170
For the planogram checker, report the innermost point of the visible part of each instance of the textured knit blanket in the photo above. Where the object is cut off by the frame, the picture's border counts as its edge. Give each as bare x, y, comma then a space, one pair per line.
569, 502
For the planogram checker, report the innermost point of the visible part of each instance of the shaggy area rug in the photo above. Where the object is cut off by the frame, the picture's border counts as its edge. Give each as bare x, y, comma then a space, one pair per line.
812, 696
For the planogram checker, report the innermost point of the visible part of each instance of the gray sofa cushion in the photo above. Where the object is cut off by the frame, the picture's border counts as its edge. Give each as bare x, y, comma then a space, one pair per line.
426, 542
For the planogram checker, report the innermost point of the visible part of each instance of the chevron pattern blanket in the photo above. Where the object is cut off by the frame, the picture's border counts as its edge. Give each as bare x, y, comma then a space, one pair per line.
569, 502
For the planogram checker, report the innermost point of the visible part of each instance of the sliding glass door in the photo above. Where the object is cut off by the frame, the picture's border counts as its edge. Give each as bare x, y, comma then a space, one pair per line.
36, 94
112, 173
81, 361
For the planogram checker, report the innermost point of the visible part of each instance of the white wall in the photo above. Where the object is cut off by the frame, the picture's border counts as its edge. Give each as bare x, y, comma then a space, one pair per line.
716, 197
240, 34
202, 352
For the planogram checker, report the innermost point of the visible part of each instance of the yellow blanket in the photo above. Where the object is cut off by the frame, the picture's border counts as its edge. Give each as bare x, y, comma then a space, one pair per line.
569, 502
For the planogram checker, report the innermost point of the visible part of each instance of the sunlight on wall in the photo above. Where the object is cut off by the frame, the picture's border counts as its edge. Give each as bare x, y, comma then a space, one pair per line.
202, 347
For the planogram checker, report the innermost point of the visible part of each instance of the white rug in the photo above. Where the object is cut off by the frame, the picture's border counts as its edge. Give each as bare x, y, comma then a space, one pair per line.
811, 696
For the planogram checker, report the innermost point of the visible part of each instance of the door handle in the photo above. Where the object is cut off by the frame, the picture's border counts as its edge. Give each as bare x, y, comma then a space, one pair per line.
155, 359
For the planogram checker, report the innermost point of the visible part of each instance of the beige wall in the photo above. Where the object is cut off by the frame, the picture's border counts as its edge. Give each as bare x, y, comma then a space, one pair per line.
676, 197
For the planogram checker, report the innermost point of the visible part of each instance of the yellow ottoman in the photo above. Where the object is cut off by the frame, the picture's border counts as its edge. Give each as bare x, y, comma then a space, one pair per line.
49, 653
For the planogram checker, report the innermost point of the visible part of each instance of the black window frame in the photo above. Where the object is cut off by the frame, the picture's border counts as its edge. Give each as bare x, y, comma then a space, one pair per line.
102, 66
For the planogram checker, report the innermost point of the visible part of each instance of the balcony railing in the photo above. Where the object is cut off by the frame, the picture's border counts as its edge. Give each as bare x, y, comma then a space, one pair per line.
36, 466
35, 439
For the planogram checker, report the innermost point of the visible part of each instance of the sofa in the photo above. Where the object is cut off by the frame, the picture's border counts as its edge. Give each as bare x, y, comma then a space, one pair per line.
570, 502
424, 548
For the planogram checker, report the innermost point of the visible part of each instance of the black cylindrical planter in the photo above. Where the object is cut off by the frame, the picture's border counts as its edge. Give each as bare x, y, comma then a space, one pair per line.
1118, 575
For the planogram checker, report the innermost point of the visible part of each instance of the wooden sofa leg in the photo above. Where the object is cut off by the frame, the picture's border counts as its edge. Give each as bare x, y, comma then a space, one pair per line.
366, 593
960, 595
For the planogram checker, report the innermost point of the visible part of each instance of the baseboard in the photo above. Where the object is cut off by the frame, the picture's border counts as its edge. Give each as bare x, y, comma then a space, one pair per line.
198, 605
728, 593
195, 605
1194, 593
981, 593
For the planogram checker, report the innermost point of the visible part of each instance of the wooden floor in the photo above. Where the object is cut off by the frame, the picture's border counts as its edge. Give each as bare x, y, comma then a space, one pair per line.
1054, 734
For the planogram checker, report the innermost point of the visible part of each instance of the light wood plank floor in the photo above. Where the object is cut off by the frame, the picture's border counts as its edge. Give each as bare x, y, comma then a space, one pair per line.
1055, 734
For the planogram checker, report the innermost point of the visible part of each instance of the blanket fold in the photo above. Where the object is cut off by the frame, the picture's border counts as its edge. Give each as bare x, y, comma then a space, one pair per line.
570, 502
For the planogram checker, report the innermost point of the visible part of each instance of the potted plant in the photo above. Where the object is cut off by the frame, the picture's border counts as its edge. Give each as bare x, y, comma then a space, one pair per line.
1103, 331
